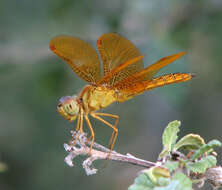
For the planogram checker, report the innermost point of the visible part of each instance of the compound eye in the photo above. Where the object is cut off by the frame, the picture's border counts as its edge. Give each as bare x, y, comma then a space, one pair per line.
59, 105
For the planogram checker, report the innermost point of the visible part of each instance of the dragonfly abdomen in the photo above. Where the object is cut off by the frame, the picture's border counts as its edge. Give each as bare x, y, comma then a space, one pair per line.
168, 79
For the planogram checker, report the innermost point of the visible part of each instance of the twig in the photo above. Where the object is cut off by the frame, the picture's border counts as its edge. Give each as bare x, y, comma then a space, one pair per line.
214, 176
78, 147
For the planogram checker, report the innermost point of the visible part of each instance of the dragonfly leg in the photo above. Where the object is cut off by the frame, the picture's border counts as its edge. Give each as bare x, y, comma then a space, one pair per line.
79, 126
78, 122
81, 121
92, 137
114, 127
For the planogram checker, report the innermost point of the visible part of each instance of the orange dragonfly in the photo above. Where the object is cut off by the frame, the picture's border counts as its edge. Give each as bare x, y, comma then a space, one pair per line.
124, 77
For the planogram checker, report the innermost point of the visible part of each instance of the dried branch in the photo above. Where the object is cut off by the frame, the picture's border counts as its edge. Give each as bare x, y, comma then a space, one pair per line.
214, 176
78, 146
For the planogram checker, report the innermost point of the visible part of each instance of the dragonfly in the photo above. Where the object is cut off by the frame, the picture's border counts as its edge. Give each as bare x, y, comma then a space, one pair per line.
123, 77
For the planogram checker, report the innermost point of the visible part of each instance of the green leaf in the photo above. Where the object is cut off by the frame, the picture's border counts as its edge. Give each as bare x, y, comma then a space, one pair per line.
185, 182
173, 185
162, 181
169, 137
172, 165
142, 182
170, 134
190, 141
160, 172
151, 178
205, 148
155, 173
202, 165
179, 182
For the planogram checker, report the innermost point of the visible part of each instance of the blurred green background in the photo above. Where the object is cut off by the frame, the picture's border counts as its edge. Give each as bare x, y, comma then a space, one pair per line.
32, 79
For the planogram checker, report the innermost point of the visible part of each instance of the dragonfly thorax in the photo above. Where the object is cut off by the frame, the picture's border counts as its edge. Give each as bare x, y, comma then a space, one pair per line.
68, 107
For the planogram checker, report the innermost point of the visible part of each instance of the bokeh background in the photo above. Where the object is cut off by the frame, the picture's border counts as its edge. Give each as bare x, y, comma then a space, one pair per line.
32, 79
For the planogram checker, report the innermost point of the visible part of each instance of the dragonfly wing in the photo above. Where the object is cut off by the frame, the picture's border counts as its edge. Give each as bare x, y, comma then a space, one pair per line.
116, 50
150, 71
79, 55
118, 69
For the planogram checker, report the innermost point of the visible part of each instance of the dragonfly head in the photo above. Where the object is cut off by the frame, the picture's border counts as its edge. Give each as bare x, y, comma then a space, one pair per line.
68, 107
